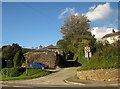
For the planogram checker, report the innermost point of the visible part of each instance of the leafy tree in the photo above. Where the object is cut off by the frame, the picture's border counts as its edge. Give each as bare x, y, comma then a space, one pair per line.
15, 48
62, 45
18, 59
25, 50
4, 47
8, 52
76, 35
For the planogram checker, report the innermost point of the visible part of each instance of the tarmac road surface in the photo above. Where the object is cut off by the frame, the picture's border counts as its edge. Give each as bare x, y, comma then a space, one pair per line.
56, 78
52, 81
54, 87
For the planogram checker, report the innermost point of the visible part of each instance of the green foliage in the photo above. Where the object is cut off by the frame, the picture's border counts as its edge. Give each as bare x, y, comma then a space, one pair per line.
75, 31
76, 36
31, 73
25, 50
10, 72
106, 56
8, 52
18, 59
62, 45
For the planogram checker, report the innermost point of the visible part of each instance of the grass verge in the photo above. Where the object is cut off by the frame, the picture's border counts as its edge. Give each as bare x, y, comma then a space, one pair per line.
31, 73
101, 64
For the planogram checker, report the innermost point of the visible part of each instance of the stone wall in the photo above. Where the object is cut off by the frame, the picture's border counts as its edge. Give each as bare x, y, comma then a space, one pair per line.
99, 74
48, 58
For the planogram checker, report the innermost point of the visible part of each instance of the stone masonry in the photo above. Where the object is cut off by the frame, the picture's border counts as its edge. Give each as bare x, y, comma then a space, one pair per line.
99, 74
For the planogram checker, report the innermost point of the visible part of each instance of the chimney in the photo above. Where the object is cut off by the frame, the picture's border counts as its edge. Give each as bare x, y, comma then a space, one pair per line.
113, 31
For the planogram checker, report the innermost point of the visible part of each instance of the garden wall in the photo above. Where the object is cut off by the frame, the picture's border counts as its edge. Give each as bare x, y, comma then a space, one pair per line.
99, 74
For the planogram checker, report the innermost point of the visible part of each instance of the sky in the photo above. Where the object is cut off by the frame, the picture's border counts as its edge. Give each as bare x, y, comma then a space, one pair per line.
31, 24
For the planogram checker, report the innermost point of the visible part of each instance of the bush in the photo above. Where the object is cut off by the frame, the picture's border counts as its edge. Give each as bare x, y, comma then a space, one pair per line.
18, 74
10, 72
18, 59
32, 72
106, 56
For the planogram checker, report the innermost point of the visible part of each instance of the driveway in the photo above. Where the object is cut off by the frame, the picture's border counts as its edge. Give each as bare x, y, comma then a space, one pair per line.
56, 78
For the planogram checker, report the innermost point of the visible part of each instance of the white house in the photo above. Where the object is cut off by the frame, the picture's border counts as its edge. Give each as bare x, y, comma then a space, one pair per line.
111, 37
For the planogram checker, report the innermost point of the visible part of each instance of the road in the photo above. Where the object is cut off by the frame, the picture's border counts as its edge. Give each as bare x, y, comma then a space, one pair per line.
54, 87
61, 88
52, 79
23, 86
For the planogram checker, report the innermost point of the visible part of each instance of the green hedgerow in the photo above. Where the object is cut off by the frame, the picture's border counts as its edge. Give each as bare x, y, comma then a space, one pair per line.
10, 72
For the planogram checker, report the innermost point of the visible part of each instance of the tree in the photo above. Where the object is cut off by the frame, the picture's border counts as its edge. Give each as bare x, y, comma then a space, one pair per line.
8, 52
18, 59
25, 50
15, 48
75, 30
76, 35
62, 45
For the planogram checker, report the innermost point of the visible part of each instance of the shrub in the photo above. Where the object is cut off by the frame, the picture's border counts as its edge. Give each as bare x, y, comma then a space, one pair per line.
106, 56
20, 73
18, 59
10, 72
31, 72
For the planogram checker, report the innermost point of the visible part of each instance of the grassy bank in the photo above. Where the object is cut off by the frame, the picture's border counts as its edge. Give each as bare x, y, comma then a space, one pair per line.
105, 57
31, 73
101, 64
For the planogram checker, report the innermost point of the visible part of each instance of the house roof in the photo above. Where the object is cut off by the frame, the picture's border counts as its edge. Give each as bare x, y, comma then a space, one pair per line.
40, 50
51, 47
111, 34
45, 49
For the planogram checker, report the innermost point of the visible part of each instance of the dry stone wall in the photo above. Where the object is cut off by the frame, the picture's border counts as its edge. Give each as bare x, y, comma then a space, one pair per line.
99, 74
